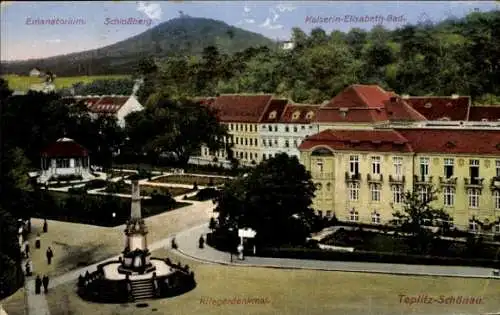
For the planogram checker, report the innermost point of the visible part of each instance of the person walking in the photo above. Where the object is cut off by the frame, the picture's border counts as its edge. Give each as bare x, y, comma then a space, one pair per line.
37, 241
45, 282
45, 226
27, 249
49, 255
38, 284
201, 242
27, 267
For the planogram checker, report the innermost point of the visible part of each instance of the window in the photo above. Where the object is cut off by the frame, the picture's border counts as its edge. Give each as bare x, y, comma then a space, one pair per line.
296, 115
276, 142
287, 129
246, 128
496, 228
295, 129
354, 164
328, 186
319, 164
246, 141
310, 127
303, 127
354, 215
424, 167
62, 163
236, 127
354, 191
474, 171
329, 214
397, 161
251, 128
375, 191
287, 144
397, 194
310, 115
449, 196
272, 115
448, 168
270, 128
275, 128
375, 164
473, 226
251, 141
496, 199
497, 163
320, 213
423, 193
473, 197
376, 217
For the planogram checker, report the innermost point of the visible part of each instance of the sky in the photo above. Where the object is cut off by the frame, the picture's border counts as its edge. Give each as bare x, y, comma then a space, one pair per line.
89, 25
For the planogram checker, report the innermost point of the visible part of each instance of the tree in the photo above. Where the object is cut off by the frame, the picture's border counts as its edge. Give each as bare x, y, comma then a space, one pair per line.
175, 127
418, 215
274, 199
212, 225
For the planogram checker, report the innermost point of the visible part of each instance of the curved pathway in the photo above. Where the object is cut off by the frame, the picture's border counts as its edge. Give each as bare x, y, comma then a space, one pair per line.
188, 246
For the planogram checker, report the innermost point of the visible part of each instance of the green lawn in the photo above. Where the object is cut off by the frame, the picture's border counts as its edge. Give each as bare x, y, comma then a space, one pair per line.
190, 180
23, 83
292, 292
148, 190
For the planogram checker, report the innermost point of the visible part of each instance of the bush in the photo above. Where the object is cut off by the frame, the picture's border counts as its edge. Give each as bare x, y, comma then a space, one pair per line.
77, 190
367, 256
116, 187
211, 182
11, 276
96, 183
206, 194
164, 198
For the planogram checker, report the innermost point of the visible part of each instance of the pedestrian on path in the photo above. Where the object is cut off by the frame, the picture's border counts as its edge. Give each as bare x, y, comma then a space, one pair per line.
45, 282
38, 284
45, 226
49, 254
37, 241
27, 249
174, 244
27, 267
201, 242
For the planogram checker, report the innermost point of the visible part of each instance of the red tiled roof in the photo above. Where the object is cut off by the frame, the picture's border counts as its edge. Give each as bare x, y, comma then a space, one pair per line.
358, 140
241, 108
303, 110
478, 113
108, 104
277, 106
367, 103
398, 110
352, 115
441, 107
365, 96
453, 141
64, 149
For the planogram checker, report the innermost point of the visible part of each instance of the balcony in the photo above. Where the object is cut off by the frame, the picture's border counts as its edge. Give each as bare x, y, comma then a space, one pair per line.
396, 179
450, 181
322, 175
356, 177
374, 178
495, 183
422, 180
473, 182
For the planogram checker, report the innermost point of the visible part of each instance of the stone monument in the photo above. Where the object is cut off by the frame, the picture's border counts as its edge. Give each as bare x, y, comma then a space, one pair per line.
136, 256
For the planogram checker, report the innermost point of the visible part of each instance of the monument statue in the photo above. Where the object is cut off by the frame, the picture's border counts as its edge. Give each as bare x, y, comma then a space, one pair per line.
136, 256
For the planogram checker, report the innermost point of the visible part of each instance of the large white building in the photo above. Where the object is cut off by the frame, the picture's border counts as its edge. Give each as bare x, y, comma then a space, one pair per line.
118, 106
284, 126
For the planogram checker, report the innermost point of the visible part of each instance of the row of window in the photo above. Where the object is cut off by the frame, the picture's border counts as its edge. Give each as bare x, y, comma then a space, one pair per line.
449, 193
397, 161
275, 128
275, 143
242, 127
246, 141
376, 219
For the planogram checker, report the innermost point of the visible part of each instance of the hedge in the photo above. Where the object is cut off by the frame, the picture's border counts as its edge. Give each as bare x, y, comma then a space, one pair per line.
367, 256
11, 276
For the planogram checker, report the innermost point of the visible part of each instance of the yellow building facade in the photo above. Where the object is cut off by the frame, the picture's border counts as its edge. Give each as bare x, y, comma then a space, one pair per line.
362, 179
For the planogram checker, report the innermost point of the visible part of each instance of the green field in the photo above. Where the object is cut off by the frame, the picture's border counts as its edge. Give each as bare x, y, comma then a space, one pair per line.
23, 83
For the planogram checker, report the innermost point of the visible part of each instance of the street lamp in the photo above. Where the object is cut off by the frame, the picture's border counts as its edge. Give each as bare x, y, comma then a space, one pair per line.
230, 248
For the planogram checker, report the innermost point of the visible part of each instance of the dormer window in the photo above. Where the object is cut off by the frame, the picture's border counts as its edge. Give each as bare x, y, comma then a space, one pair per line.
428, 105
272, 115
450, 144
445, 118
310, 115
296, 115
484, 119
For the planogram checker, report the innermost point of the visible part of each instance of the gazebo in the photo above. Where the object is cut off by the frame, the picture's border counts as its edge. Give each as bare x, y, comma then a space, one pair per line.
64, 160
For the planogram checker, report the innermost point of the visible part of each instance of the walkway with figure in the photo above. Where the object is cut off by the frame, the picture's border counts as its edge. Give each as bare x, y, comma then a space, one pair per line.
188, 245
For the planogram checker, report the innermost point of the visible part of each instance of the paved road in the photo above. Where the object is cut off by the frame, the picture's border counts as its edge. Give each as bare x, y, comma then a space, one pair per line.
188, 245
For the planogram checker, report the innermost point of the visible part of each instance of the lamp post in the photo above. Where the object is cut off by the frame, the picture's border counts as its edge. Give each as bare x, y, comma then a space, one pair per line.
230, 248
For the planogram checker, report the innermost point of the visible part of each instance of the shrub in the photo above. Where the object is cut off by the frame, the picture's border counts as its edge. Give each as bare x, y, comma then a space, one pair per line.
77, 190
211, 182
195, 186
206, 194
164, 198
96, 183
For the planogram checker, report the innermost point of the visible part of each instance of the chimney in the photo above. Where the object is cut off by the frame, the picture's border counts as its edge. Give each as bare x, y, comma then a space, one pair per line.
454, 96
394, 99
405, 96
